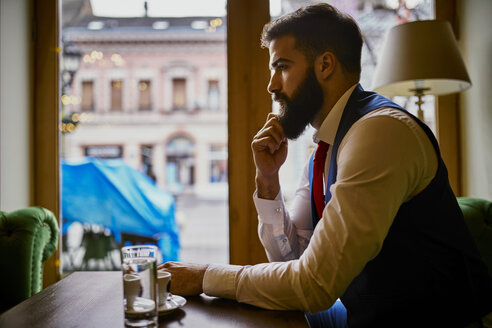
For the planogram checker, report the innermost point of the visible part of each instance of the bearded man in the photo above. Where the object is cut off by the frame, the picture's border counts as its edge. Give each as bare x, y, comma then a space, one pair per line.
375, 236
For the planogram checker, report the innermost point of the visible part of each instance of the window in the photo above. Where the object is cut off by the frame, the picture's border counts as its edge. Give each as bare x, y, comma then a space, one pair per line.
88, 96
179, 94
116, 95
213, 96
144, 99
140, 87
180, 163
218, 163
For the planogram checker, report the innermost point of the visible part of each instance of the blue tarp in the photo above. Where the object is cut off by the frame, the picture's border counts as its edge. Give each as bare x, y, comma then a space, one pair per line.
122, 199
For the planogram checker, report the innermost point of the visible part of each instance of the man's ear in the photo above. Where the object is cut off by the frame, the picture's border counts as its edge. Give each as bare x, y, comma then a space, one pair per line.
326, 64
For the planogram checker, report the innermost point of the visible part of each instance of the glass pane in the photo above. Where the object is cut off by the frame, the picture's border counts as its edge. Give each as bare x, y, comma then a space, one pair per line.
144, 100
374, 18
144, 130
87, 95
116, 95
179, 94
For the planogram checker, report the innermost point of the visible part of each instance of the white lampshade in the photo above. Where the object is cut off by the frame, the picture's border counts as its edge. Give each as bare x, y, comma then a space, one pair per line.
421, 54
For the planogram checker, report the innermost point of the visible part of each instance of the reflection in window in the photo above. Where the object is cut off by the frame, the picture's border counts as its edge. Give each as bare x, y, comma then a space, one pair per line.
179, 93
144, 99
88, 96
116, 95
213, 95
218, 163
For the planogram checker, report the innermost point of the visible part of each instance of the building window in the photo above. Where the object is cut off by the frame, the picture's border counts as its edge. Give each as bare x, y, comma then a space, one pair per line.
88, 96
146, 158
213, 95
218, 163
144, 99
180, 163
179, 94
107, 151
116, 95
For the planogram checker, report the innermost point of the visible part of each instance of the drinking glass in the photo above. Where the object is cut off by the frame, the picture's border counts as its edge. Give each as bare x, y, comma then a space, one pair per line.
139, 285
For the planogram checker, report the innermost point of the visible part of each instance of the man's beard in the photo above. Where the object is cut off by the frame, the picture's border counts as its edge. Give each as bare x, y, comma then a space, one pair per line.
296, 113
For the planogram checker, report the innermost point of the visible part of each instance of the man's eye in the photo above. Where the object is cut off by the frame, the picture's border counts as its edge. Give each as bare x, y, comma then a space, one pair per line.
281, 67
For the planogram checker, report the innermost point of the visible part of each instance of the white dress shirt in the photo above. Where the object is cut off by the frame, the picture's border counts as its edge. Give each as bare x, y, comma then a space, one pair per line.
384, 160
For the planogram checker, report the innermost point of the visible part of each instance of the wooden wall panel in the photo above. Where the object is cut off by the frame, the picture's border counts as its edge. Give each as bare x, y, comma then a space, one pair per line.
248, 103
45, 118
447, 110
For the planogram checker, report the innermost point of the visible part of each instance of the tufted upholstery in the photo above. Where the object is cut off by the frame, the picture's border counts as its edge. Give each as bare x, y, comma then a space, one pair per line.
28, 237
478, 217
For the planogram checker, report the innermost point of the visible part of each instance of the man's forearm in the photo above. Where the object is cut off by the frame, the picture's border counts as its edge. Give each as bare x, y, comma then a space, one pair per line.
267, 187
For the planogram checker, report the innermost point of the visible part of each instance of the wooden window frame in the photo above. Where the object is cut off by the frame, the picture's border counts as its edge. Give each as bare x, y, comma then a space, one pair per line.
448, 110
45, 119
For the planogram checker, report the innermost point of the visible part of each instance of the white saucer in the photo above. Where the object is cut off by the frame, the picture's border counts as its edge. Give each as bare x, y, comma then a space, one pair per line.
141, 305
175, 302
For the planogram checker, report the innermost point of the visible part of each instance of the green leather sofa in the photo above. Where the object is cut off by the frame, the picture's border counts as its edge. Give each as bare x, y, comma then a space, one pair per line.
478, 217
28, 237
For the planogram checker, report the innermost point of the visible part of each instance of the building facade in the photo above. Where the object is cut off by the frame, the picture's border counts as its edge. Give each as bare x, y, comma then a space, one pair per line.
151, 91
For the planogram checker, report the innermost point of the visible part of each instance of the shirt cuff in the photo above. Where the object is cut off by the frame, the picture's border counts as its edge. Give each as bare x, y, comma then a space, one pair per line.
220, 280
269, 211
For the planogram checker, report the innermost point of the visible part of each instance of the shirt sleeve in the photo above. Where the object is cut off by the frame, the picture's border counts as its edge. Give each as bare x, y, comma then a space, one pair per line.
382, 161
285, 234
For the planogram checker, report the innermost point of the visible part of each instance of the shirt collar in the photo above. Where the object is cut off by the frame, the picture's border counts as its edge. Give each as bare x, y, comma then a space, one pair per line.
329, 127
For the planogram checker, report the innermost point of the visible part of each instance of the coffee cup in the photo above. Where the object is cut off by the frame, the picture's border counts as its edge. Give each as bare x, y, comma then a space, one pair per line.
131, 288
164, 285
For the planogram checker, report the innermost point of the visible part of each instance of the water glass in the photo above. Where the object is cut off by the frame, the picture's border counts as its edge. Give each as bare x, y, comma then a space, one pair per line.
139, 285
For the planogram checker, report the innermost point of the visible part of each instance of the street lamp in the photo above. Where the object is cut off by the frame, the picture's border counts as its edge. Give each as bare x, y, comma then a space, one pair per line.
70, 63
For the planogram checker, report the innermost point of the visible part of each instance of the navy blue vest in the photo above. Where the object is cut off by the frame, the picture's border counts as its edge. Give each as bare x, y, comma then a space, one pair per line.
429, 266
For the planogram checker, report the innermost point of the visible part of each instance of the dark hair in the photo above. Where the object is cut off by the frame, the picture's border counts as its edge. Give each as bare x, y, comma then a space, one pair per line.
319, 28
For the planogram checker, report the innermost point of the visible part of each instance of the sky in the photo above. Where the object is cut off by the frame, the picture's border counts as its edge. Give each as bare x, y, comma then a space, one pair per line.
165, 8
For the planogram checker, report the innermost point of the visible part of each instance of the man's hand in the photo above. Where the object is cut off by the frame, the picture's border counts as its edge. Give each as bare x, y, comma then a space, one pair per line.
269, 147
186, 278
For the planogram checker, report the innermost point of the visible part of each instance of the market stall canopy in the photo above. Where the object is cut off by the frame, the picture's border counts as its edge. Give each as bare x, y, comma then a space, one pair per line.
113, 194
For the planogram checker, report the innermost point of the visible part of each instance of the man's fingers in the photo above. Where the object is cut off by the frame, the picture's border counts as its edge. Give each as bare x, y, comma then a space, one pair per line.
271, 128
164, 265
273, 121
187, 278
168, 264
265, 143
272, 131
270, 115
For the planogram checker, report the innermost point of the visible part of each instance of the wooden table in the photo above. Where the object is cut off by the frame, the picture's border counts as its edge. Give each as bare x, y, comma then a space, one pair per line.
95, 299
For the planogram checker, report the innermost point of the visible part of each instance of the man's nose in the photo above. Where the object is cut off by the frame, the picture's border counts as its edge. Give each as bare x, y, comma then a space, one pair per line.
274, 85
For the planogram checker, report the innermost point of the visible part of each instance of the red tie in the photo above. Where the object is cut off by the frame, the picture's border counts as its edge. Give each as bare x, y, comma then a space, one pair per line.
318, 169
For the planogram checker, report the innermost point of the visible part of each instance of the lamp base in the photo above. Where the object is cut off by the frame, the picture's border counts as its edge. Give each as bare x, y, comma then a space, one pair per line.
419, 93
